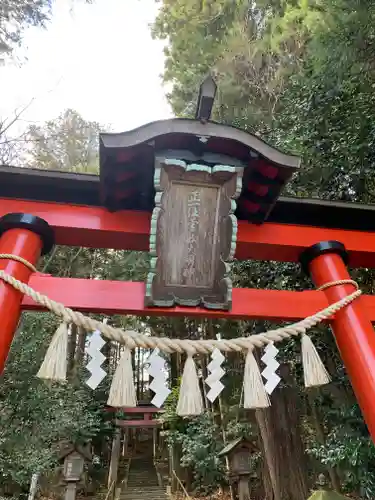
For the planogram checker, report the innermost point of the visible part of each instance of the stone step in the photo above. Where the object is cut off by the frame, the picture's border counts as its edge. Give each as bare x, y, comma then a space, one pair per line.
151, 475
142, 482
142, 477
144, 497
146, 487
145, 472
144, 494
137, 485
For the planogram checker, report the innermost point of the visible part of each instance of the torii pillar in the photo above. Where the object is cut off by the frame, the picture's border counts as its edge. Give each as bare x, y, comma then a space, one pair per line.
353, 331
28, 237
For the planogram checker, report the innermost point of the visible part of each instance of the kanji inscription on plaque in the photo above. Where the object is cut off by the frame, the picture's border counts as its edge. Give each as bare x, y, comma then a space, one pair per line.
193, 234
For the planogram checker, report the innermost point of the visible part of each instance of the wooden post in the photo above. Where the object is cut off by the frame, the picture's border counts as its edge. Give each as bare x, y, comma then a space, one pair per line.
33, 486
154, 442
171, 469
115, 455
125, 442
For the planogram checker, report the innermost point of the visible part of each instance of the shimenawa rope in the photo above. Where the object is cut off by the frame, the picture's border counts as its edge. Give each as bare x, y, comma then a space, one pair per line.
134, 339
10, 256
122, 392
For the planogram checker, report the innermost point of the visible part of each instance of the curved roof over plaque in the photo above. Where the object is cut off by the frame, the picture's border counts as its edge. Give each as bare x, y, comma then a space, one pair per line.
127, 163
211, 129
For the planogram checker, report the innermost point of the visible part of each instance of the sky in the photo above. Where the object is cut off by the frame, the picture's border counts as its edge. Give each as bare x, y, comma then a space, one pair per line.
98, 59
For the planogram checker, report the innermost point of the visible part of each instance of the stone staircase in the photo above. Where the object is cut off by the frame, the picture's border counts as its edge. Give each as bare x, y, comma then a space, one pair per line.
142, 483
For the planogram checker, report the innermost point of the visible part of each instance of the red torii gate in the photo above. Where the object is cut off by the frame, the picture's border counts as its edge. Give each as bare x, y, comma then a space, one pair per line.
30, 223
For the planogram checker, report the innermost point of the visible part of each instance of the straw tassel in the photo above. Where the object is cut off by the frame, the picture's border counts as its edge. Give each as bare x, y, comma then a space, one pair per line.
54, 366
190, 401
122, 391
255, 395
314, 371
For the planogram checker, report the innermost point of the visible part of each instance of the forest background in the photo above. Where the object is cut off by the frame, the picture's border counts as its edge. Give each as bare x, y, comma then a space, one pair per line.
301, 75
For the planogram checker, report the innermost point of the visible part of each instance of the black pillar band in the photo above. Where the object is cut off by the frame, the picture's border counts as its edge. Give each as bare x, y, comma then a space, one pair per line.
31, 223
324, 247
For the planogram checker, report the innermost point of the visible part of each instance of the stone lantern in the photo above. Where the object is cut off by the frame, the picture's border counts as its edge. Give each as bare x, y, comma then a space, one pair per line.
237, 454
74, 458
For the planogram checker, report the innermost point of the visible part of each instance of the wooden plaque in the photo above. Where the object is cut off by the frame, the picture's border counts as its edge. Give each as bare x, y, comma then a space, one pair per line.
193, 234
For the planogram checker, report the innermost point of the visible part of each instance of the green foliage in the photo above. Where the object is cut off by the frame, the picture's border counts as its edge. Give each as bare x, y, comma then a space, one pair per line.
36, 417
189, 24
170, 418
16, 16
67, 143
200, 446
347, 447
200, 441
301, 75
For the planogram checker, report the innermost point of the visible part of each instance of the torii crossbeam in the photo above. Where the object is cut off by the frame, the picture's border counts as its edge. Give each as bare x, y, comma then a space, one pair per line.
38, 209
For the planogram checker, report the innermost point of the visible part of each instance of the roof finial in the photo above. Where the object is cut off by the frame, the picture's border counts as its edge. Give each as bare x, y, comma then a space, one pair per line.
206, 98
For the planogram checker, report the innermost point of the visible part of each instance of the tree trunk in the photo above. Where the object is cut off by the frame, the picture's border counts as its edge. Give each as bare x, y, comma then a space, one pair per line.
71, 349
81, 343
334, 477
138, 373
284, 452
174, 371
175, 459
141, 374
202, 384
267, 483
